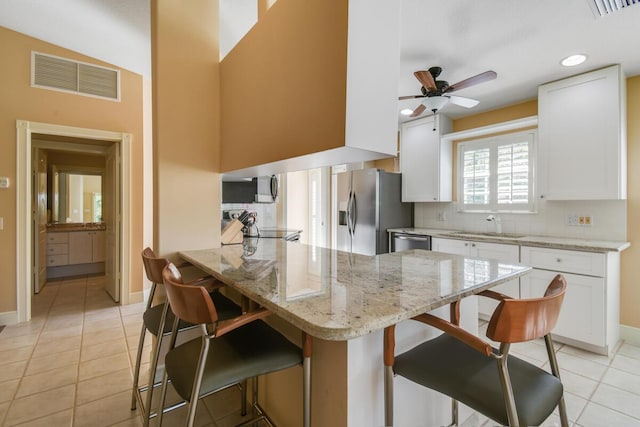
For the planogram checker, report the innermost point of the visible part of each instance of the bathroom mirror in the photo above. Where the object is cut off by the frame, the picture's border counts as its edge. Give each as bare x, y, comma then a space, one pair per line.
76, 196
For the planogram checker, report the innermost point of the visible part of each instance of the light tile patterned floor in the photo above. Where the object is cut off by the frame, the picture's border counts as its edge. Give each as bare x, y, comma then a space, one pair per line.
72, 364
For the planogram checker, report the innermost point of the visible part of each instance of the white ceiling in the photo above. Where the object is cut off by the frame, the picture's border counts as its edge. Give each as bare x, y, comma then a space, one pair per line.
113, 31
523, 41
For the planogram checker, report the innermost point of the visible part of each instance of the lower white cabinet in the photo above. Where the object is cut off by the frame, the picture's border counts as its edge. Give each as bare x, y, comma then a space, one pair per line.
86, 247
57, 249
501, 252
590, 312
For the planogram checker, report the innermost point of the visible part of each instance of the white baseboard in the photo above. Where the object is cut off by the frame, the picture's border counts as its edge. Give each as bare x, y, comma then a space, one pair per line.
136, 297
9, 318
630, 334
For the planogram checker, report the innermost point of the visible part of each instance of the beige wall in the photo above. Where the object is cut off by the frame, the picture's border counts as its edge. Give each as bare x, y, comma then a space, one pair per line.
284, 91
186, 128
20, 101
630, 292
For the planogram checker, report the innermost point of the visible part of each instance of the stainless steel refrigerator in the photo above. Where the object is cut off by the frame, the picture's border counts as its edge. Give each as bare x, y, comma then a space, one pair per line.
368, 203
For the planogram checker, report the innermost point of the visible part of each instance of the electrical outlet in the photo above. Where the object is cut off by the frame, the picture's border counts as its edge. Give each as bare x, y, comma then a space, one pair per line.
573, 220
442, 216
579, 220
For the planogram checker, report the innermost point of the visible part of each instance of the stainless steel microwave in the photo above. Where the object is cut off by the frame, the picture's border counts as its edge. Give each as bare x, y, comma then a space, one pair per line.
262, 189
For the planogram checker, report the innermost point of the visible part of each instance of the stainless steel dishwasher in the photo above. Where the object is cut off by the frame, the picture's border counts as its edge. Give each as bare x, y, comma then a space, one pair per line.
405, 241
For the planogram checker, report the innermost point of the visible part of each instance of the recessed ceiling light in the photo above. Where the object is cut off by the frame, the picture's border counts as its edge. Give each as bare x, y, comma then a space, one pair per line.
572, 60
406, 112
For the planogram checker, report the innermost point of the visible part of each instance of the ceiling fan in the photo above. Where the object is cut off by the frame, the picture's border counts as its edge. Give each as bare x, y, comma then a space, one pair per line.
436, 93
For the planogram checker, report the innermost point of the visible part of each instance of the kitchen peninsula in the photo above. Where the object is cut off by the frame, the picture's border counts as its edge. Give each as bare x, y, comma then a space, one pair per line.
344, 301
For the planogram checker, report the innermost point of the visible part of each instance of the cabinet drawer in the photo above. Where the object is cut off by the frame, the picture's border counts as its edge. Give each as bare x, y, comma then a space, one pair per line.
55, 260
57, 248
57, 237
565, 261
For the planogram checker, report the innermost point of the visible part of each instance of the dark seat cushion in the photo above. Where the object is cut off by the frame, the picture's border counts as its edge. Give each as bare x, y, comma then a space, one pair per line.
226, 309
453, 368
249, 351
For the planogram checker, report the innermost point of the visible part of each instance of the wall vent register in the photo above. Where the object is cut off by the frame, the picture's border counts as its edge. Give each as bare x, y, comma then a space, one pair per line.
52, 72
607, 7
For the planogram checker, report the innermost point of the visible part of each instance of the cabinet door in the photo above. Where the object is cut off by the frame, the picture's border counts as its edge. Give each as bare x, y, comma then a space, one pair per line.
504, 253
450, 246
582, 313
580, 118
80, 247
425, 161
98, 244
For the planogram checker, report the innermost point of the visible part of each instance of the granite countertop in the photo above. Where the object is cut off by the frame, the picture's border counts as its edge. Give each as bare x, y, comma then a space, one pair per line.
521, 240
76, 226
336, 295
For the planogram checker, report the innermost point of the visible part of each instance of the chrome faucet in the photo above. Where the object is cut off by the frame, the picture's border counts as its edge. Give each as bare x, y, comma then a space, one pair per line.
497, 220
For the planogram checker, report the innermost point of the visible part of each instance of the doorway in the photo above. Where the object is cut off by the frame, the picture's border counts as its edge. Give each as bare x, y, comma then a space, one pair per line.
116, 149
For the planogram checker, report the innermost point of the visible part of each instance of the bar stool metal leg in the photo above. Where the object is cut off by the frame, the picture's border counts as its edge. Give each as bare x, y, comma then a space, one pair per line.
307, 347
143, 333
154, 365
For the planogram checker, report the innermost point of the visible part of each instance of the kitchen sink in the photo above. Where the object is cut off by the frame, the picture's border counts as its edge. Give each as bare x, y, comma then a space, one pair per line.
471, 234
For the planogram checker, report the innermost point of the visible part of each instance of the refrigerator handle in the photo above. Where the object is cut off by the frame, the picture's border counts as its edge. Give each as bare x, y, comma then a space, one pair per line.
349, 228
354, 213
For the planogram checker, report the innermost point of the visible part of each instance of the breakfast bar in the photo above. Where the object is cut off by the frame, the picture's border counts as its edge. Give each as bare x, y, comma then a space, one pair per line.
344, 301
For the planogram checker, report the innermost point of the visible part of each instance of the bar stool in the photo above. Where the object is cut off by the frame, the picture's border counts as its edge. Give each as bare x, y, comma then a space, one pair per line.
228, 352
159, 318
502, 387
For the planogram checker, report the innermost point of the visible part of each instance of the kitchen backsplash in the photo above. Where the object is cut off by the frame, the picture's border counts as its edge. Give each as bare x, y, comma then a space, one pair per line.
266, 212
608, 219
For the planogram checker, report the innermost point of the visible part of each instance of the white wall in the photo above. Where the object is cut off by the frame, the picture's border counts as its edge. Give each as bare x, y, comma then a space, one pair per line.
609, 219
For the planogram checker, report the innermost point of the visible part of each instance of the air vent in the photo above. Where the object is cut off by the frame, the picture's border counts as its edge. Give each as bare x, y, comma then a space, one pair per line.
56, 73
607, 7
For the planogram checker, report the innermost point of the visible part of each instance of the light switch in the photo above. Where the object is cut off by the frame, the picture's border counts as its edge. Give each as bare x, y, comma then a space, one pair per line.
4, 182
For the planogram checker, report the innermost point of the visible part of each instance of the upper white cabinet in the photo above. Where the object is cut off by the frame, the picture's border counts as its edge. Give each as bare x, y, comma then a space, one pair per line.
582, 137
426, 160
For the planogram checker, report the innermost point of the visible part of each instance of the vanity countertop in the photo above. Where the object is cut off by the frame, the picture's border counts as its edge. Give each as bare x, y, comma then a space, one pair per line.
568, 243
76, 226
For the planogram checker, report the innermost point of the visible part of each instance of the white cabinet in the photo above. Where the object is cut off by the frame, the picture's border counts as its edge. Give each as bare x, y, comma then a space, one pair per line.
582, 137
57, 249
500, 252
86, 247
426, 160
589, 317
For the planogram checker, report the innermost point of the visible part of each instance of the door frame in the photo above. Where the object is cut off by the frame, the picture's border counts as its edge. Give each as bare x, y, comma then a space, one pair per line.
24, 278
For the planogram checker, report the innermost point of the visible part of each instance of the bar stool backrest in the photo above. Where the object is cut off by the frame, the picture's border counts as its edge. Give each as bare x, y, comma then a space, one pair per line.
153, 266
518, 320
189, 303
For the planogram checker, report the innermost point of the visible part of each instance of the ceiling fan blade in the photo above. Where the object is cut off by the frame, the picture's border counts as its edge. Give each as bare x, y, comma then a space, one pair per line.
419, 110
410, 97
471, 81
462, 101
426, 80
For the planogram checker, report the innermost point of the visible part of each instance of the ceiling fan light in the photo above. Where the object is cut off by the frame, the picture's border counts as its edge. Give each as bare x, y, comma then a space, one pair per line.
434, 103
406, 111
573, 60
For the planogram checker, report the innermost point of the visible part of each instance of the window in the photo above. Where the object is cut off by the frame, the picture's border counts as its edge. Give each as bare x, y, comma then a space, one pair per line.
496, 174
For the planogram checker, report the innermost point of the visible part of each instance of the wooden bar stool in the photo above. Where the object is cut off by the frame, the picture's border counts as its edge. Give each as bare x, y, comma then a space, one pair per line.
502, 387
228, 352
159, 317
